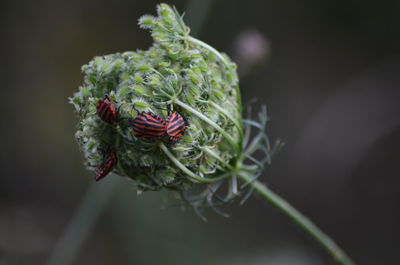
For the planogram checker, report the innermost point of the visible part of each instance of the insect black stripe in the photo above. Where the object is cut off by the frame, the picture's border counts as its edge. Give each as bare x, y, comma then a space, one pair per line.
146, 130
176, 130
148, 125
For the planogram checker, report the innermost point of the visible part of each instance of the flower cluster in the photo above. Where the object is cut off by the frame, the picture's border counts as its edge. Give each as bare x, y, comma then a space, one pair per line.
182, 74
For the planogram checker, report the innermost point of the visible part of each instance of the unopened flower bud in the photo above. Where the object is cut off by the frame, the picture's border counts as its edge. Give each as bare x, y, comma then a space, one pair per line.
176, 74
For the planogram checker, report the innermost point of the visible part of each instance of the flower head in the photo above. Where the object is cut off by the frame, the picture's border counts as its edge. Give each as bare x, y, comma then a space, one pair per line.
176, 74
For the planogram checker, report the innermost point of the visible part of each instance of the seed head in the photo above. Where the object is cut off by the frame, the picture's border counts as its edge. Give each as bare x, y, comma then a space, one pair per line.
176, 74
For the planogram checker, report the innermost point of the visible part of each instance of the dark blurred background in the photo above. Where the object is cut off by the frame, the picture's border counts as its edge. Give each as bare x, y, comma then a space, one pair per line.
329, 73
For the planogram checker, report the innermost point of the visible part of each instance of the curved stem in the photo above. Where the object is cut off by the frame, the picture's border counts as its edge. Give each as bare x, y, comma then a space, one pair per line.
232, 119
227, 65
208, 47
229, 138
309, 227
182, 167
187, 171
214, 155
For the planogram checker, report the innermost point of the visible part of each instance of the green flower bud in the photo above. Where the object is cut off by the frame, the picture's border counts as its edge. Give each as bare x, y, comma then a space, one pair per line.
184, 75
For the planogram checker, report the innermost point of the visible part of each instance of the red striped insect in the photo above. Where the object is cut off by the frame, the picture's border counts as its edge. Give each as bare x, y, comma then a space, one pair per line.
108, 163
148, 125
106, 110
175, 126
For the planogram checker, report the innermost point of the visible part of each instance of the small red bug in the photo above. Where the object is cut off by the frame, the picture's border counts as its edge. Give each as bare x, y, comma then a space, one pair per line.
106, 110
109, 161
175, 126
148, 125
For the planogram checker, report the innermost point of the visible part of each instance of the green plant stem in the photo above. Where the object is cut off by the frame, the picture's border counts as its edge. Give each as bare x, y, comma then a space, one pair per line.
182, 167
83, 221
232, 119
214, 155
227, 65
185, 170
229, 138
208, 47
309, 227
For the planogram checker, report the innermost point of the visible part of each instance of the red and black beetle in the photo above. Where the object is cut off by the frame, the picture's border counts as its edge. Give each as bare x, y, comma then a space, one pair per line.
109, 161
175, 126
107, 111
148, 125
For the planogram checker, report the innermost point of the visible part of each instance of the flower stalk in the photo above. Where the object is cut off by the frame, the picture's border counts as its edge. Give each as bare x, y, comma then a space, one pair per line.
306, 224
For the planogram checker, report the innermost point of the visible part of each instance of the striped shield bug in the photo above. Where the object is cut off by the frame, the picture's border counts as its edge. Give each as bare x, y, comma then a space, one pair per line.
109, 161
175, 126
148, 125
106, 110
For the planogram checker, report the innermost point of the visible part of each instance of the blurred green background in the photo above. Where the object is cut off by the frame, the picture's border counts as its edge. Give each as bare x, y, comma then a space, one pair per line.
329, 73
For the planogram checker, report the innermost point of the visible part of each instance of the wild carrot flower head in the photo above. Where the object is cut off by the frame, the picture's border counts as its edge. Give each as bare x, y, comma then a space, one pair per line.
178, 73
